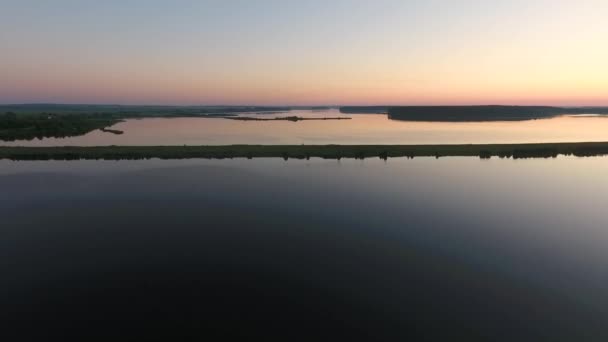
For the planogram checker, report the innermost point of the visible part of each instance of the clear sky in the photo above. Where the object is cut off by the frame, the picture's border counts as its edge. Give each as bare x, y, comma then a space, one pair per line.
285, 52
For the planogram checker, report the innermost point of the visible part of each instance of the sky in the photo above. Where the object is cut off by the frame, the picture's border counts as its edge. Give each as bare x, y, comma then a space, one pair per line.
317, 52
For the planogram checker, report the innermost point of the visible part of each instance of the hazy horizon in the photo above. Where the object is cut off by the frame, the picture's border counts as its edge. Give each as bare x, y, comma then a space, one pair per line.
290, 105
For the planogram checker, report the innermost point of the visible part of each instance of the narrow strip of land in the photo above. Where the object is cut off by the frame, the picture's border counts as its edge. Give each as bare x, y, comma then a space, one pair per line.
283, 118
516, 151
113, 131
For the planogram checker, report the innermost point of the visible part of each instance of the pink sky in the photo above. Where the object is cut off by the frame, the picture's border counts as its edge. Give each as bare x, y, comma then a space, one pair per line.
312, 53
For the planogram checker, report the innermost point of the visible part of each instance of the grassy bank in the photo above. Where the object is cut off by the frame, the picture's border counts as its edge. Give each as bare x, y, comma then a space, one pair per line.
515, 151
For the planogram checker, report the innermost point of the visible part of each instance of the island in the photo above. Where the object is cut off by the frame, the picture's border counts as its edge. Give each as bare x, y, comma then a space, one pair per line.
283, 118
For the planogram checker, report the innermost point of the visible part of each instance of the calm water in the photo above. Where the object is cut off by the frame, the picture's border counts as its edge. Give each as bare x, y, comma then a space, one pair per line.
305, 250
362, 129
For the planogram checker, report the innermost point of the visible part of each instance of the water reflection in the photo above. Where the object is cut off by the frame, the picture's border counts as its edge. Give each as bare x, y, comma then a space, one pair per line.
497, 249
362, 129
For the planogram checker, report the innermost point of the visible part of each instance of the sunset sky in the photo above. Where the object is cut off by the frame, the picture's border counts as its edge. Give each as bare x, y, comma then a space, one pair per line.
317, 52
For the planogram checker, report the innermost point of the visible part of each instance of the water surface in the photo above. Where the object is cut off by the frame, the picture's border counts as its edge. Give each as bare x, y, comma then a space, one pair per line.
362, 129
366, 250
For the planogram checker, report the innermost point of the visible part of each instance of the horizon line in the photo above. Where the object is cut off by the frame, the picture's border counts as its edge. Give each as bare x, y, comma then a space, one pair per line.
293, 105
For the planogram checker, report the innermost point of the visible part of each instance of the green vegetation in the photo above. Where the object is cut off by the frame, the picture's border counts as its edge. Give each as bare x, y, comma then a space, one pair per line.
46, 125
31, 121
485, 113
284, 118
516, 151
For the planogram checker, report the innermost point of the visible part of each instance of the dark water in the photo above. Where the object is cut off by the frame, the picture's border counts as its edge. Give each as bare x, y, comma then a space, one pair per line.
305, 250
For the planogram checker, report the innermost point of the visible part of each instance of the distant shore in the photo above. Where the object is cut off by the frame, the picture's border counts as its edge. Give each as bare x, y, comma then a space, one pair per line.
485, 151
485, 113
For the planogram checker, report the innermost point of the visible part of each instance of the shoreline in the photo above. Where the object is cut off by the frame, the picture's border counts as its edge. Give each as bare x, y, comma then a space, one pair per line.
483, 151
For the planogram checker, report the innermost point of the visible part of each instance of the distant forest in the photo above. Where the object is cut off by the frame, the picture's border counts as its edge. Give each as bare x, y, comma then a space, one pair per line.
485, 113
135, 111
364, 110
